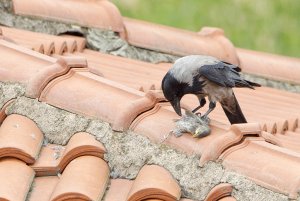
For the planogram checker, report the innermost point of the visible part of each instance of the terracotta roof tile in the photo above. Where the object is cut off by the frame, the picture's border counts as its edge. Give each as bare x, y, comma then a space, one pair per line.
218, 192
228, 198
154, 182
222, 136
45, 43
54, 158
99, 14
15, 179
142, 75
270, 65
20, 64
262, 162
43, 188
20, 138
85, 178
209, 41
116, 104
118, 189
2, 110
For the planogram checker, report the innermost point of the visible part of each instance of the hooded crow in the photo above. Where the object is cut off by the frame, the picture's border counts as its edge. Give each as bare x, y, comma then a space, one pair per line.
206, 76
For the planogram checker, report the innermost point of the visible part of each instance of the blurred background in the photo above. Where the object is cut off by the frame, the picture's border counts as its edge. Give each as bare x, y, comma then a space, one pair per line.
265, 25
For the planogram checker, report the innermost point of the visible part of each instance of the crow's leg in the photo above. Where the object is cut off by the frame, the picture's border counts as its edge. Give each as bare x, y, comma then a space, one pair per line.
212, 105
202, 102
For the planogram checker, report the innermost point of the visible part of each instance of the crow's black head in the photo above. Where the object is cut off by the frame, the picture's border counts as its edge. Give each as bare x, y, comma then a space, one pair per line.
173, 91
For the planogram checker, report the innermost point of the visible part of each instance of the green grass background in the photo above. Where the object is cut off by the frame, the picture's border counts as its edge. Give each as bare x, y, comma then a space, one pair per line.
265, 25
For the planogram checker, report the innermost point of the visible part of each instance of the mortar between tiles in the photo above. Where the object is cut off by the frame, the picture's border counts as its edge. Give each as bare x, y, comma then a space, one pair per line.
128, 152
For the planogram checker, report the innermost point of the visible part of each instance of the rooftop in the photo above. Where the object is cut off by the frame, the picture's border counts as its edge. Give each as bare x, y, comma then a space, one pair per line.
83, 117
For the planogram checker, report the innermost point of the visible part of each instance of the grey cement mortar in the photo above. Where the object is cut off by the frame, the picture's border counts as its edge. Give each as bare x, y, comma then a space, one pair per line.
110, 42
272, 83
128, 152
56, 124
246, 190
10, 91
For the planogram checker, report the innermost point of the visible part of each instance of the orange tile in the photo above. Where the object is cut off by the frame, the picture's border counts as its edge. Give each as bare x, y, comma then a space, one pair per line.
218, 192
98, 14
43, 187
154, 182
209, 41
228, 198
132, 73
45, 43
118, 190
210, 148
20, 64
2, 110
97, 97
266, 164
20, 138
270, 65
15, 179
54, 158
85, 178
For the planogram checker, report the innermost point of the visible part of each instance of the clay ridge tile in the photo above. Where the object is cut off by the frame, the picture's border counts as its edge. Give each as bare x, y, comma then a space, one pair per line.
54, 158
45, 43
154, 182
98, 14
97, 97
85, 178
262, 161
179, 42
29, 67
210, 148
15, 179
20, 138
270, 65
132, 73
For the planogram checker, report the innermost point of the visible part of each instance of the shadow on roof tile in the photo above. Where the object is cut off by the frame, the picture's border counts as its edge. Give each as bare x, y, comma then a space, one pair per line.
209, 41
272, 66
85, 93
15, 179
54, 158
2, 110
85, 178
266, 164
99, 14
20, 138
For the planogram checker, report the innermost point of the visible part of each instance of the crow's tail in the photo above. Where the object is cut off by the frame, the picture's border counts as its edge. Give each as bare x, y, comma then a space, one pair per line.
233, 111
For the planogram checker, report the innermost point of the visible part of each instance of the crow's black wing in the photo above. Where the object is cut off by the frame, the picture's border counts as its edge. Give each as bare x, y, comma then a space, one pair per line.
220, 73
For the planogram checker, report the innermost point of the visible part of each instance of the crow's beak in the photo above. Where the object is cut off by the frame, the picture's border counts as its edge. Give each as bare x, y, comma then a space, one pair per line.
176, 105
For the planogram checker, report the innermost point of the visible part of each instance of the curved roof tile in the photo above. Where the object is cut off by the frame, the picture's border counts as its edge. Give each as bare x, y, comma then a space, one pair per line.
100, 14
20, 138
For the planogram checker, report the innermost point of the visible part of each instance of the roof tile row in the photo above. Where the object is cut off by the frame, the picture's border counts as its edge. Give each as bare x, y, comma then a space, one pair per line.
275, 112
84, 174
43, 43
99, 14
